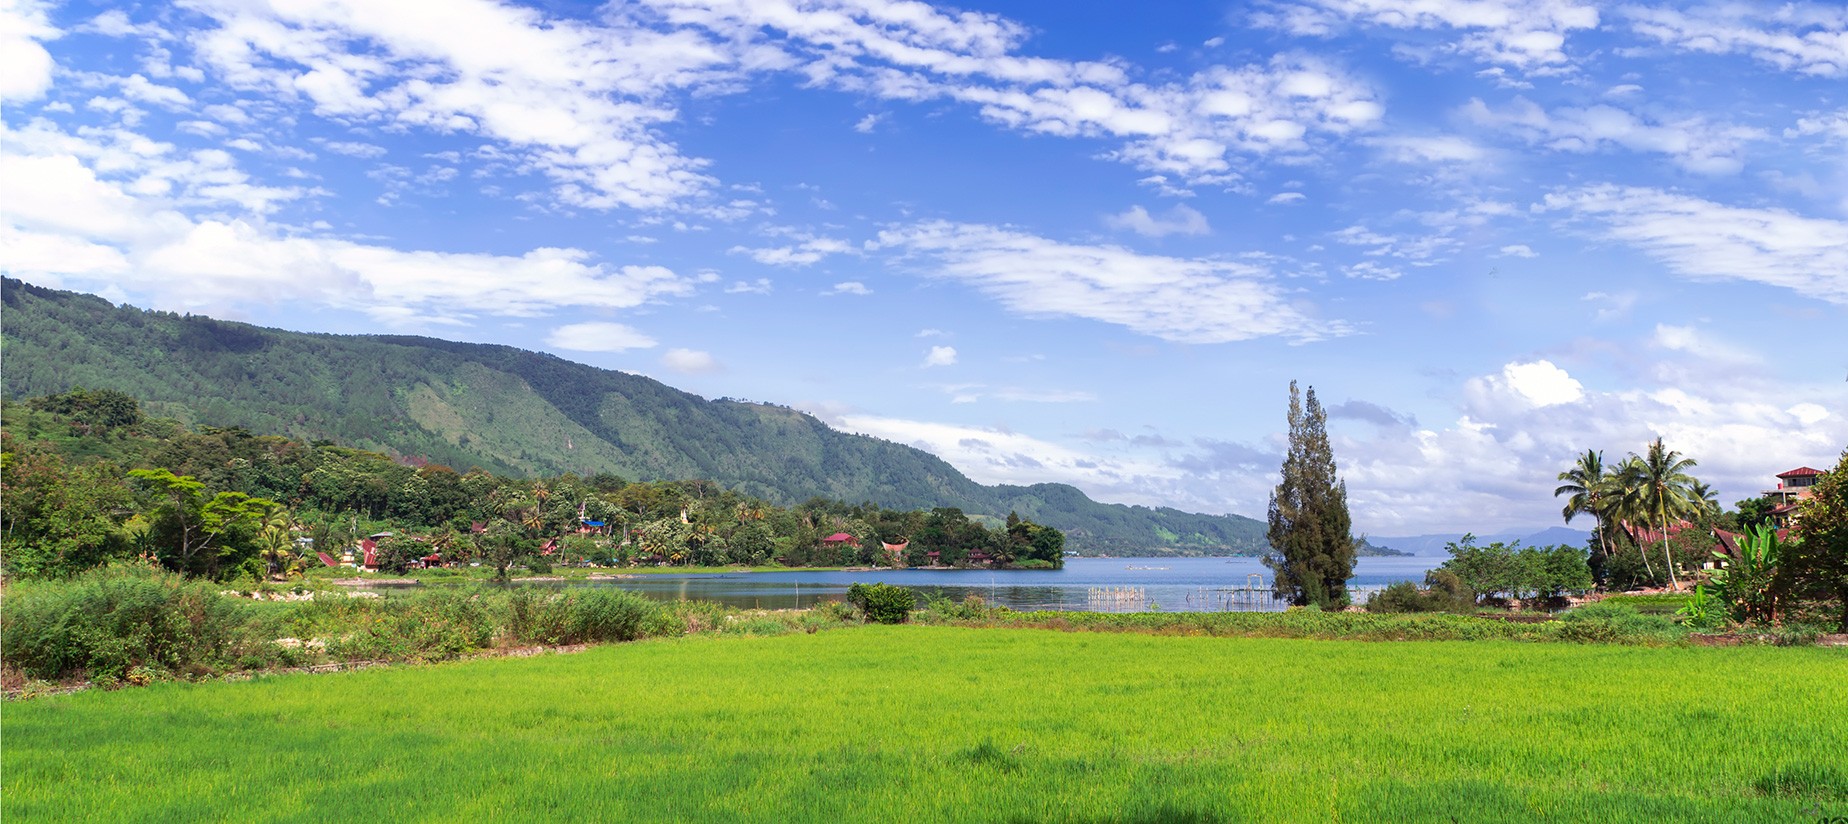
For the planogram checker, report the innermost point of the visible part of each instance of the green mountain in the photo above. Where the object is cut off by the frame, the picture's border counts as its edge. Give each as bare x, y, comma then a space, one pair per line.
516, 412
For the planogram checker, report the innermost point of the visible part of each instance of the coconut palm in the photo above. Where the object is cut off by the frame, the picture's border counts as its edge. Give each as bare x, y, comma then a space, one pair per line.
1705, 497
1623, 504
1589, 485
1661, 486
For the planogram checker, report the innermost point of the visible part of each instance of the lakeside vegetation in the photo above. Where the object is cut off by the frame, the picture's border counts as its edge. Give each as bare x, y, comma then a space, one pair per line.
89, 480
951, 724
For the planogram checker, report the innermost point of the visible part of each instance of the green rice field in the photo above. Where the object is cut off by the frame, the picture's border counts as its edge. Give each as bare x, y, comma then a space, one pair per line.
919, 723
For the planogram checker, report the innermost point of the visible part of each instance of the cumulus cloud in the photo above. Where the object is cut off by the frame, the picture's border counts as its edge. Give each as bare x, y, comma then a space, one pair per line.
25, 65
940, 356
690, 362
1539, 383
599, 336
1180, 220
848, 287
1703, 240
1186, 300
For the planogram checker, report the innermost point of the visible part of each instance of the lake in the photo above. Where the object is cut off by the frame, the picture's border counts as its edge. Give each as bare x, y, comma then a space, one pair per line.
1096, 584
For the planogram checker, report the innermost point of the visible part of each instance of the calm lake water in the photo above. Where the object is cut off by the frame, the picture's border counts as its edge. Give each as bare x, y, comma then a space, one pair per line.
1099, 584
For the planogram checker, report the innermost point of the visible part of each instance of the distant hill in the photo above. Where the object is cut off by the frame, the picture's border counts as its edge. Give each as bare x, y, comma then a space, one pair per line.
1434, 544
517, 412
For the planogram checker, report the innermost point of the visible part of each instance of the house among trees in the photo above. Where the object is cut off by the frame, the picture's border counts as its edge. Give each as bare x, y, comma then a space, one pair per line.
1792, 487
838, 539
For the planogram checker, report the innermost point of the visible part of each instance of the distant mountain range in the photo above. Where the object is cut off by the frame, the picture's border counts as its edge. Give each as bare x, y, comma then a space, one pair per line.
1434, 544
517, 412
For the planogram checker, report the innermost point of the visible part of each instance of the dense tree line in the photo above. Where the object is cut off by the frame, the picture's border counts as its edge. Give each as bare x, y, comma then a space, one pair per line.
88, 479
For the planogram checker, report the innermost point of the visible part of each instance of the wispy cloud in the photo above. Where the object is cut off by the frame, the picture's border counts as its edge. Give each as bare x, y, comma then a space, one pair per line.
599, 337
1525, 34
1180, 220
1806, 38
1703, 240
1187, 300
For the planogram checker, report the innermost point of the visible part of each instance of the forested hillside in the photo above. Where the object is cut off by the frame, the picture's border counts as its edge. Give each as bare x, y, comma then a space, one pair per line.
516, 412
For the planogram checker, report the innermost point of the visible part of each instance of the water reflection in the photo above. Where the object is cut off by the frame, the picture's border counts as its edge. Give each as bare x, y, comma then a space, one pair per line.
1094, 584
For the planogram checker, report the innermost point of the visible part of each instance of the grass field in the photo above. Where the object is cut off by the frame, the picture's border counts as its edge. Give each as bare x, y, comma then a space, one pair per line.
917, 723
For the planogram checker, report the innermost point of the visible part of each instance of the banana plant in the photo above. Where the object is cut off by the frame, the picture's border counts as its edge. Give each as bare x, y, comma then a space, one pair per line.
1744, 581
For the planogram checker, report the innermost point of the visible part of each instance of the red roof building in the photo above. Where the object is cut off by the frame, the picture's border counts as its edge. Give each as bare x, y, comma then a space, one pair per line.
1792, 486
837, 539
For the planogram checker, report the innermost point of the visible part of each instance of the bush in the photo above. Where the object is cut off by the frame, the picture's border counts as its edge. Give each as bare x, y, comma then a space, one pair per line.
1605, 622
884, 603
1401, 596
111, 620
1444, 592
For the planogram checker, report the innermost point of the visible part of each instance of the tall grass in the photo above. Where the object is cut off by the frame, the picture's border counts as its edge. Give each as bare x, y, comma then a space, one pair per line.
920, 723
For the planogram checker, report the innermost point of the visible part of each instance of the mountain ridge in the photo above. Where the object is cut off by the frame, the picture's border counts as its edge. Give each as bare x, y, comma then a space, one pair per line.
520, 412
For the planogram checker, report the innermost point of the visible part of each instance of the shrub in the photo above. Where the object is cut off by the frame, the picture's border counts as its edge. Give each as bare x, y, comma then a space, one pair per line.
1605, 622
884, 603
1401, 596
1444, 592
111, 620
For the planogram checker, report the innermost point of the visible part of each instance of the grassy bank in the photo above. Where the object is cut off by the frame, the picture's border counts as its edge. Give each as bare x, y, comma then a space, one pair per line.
953, 724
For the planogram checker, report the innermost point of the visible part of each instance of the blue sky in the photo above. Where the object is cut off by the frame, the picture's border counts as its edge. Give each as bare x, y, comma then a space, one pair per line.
1048, 241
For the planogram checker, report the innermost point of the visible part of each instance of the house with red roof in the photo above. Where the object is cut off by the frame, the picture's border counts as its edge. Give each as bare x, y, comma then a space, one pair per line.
1792, 487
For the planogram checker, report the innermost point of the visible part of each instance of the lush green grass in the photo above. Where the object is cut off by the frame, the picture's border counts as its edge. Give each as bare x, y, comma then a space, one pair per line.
918, 723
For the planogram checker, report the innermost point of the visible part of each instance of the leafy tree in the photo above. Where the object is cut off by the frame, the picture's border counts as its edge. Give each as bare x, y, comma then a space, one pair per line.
195, 529
1817, 566
1312, 547
1753, 511
503, 545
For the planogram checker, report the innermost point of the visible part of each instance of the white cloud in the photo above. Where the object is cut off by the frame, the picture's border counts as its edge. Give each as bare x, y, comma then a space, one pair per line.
1524, 34
805, 251
1540, 383
577, 102
1695, 143
1520, 250
354, 148
1703, 240
866, 124
912, 52
1287, 198
690, 362
848, 287
996, 456
1612, 306
25, 65
1180, 220
1430, 149
940, 356
1804, 38
1186, 300
599, 336
132, 226
760, 286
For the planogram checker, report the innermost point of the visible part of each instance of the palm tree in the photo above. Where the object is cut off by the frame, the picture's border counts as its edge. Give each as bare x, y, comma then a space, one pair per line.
1623, 503
1662, 485
1706, 497
1587, 483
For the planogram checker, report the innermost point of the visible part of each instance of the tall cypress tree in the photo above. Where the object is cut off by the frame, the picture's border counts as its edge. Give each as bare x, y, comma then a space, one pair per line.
1312, 549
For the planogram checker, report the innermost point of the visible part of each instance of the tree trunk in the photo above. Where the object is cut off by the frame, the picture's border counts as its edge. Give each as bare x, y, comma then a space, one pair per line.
1673, 585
